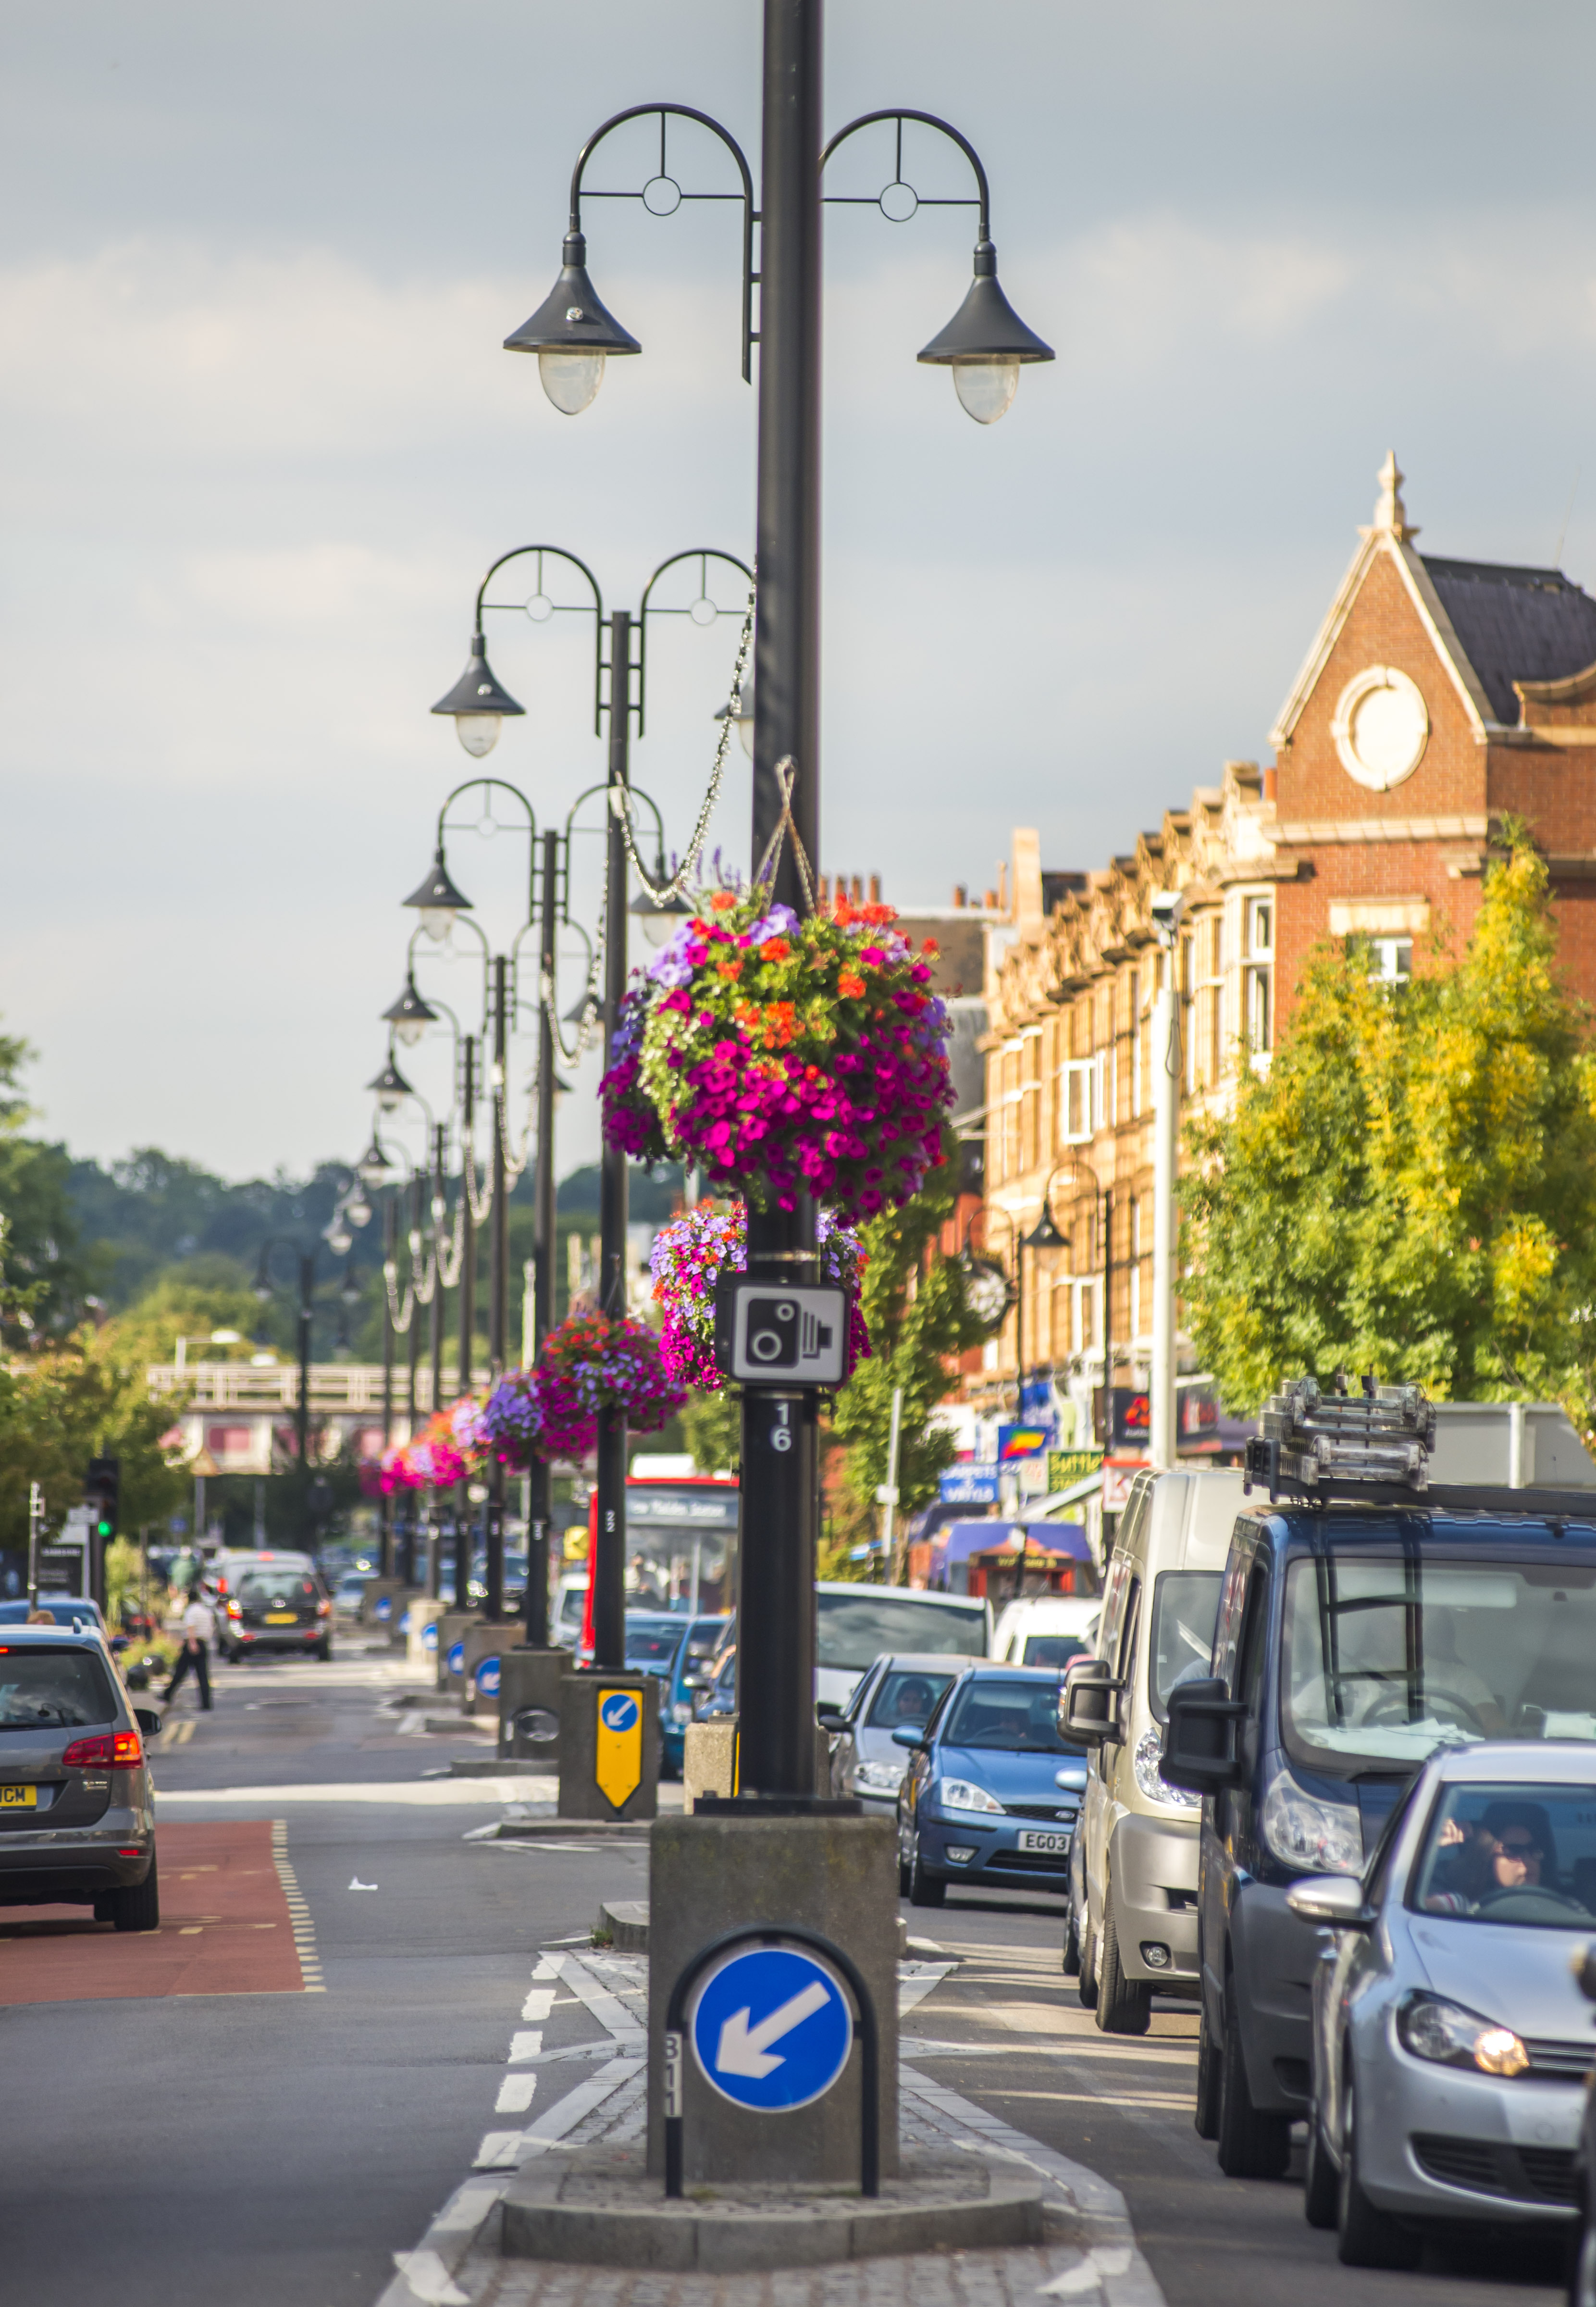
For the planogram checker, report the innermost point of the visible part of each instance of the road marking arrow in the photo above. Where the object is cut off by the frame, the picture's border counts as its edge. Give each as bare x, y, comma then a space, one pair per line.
745, 2050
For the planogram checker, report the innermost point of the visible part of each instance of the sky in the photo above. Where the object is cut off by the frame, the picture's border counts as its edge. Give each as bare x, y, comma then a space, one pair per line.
259, 444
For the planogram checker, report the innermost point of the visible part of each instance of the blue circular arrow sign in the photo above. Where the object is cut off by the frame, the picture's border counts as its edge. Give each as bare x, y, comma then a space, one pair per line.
457, 1657
619, 1711
770, 2028
487, 1677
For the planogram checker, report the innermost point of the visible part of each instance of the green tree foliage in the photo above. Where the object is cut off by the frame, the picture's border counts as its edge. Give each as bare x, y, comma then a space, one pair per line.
712, 1429
45, 1278
1411, 1187
913, 1300
65, 1404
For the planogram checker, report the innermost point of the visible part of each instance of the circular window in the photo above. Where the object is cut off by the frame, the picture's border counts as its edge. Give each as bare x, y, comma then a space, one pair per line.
1380, 728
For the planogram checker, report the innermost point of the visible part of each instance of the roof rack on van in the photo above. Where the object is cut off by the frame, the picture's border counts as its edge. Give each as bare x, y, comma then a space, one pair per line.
1312, 1440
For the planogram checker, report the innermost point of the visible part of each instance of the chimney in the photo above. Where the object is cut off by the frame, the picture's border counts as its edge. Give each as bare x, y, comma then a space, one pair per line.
858, 888
823, 900
1271, 781
989, 900
961, 895
875, 889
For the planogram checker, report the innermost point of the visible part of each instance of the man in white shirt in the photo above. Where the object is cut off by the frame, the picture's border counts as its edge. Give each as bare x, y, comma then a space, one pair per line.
198, 1632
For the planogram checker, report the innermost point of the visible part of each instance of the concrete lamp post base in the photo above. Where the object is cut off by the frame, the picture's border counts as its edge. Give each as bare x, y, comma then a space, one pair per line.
530, 1698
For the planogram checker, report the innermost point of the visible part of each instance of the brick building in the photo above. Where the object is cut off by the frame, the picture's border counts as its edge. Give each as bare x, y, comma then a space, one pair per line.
1438, 697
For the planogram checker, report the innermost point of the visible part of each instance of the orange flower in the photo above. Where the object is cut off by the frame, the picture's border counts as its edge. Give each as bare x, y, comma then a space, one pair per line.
729, 969
723, 900
876, 914
850, 984
931, 945
775, 948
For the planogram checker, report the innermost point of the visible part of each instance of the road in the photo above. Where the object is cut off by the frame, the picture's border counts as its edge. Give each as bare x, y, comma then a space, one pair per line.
270, 2099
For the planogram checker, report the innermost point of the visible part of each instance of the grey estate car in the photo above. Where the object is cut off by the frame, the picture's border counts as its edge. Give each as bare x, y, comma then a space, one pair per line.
77, 1811
1450, 2037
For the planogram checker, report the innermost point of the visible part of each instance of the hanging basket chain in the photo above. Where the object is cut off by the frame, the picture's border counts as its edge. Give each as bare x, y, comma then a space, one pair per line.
786, 777
662, 892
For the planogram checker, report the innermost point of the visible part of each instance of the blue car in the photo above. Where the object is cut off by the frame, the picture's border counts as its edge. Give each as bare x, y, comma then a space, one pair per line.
993, 1791
699, 1639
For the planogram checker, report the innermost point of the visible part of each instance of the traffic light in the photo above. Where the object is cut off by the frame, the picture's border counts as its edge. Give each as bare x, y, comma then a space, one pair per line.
100, 1487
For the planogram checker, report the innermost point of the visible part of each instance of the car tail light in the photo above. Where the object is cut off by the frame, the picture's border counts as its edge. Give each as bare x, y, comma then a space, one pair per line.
221, 1585
120, 1750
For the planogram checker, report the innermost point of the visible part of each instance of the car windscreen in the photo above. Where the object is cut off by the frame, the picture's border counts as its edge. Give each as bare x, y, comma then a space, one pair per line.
1009, 1716
53, 1690
1384, 1660
275, 1590
653, 1644
1522, 1855
904, 1698
855, 1628
1185, 1606
1053, 1649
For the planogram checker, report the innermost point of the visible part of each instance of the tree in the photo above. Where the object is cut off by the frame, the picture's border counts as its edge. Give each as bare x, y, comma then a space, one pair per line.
1410, 1188
46, 1279
914, 1301
69, 1403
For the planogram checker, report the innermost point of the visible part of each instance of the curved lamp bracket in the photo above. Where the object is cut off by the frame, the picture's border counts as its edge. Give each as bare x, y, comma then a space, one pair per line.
539, 606
910, 201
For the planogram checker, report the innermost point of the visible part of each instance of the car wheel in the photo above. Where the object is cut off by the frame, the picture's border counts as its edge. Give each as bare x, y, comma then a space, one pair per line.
136, 1908
1206, 2114
1086, 1986
1366, 2236
1071, 1963
1321, 2183
924, 1889
1124, 2006
1251, 2145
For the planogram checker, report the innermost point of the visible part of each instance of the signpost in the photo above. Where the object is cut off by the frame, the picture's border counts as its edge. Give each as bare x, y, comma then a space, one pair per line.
618, 1747
770, 2028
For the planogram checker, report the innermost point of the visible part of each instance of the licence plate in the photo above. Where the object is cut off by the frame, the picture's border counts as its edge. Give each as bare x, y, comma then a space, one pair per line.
1032, 1839
18, 1798
282, 1617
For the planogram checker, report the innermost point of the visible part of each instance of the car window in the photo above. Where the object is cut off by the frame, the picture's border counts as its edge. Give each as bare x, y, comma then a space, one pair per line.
853, 1629
652, 1645
1127, 1634
1185, 1606
906, 1699
275, 1590
1008, 1717
1053, 1649
1249, 1653
1507, 1854
53, 1690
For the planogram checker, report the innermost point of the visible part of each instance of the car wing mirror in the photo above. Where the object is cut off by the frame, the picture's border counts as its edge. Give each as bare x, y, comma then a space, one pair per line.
828, 1719
148, 1720
1199, 1744
1336, 1899
1089, 1708
906, 1734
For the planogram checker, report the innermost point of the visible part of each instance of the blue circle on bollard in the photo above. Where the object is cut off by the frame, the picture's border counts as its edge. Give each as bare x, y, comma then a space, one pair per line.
771, 2028
619, 1712
429, 1638
457, 1657
385, 1607
487, 1677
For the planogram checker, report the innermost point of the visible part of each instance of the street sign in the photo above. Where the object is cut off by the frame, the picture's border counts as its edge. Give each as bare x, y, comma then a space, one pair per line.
487, 1677
972, 1485
769, 1334
618, 1747
429, 1636
1067, 1466
770, 2028
456, 1658
384, 1610
1022, 1442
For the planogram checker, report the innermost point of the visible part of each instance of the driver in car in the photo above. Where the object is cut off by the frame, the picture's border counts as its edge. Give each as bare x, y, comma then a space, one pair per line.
913, 1703
1509, 1848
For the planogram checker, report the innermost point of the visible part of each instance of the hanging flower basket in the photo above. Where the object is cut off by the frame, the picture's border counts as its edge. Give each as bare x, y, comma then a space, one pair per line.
785, 1057
591, 1362
439, 1456
686, 1261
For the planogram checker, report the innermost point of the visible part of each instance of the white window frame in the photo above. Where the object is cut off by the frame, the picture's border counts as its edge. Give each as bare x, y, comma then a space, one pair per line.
1076, 1072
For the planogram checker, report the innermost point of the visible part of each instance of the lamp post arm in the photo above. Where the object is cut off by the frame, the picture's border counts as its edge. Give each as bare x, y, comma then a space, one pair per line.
751, 217
703, 554
557, 553
927, 120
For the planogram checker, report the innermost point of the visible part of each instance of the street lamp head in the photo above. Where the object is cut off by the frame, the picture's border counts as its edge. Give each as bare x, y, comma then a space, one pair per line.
986, 344
437, 900
409, 1017
373, 1167
1044, 1234
571, 333
349, 1289
580, 1010
477, 703
339, 1240
659, 920
391, 1089
742, 714
358, 1210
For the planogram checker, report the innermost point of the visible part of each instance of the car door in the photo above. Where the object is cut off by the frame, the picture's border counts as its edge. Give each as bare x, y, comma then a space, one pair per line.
1097, 1808
1215, 1861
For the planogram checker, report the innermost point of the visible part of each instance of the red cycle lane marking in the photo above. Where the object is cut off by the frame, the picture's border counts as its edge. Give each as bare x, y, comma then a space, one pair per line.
225, 1929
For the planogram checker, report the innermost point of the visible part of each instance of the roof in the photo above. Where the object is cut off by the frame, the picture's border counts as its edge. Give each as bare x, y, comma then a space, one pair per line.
1515, 624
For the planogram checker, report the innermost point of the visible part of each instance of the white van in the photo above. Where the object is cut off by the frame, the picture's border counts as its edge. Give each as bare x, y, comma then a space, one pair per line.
855, 1623
1133, 1869
1047, 1629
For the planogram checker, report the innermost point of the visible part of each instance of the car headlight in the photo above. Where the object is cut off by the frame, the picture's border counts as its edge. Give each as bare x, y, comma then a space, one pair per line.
1452, 2037
1323, 1838
681, 1711
884, 1778
1146, 1762
958, 1793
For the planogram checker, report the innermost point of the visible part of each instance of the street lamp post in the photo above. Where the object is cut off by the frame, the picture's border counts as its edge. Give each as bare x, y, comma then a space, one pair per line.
985, 346
306, 1262
477, 703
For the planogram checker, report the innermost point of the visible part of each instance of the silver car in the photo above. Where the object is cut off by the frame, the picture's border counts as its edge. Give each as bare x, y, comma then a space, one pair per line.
897, 1690
1450, 2037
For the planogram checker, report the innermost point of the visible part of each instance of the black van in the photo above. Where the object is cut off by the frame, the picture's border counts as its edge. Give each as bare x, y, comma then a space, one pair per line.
1361, 1625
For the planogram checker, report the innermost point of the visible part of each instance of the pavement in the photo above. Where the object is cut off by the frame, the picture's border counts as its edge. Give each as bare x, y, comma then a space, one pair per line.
361, 2014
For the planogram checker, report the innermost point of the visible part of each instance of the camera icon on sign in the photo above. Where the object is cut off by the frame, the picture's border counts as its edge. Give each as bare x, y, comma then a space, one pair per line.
780, 1335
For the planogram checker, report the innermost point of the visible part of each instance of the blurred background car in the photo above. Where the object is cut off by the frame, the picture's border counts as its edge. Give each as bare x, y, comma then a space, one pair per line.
274, 1604
1047, 1629
899, 1689
699, 1638
992, 1790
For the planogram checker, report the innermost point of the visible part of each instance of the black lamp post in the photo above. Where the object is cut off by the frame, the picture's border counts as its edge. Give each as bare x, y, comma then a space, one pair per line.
780, 1478
626, 698
265, 1290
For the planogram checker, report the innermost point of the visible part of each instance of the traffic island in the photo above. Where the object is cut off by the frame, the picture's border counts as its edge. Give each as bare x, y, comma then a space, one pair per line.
599, 2208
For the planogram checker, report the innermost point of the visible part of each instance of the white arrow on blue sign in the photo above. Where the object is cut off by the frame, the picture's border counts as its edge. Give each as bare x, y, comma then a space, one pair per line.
457, 1657
771, 2028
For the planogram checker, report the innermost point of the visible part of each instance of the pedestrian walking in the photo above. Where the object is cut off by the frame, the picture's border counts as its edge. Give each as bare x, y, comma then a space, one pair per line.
198, 1632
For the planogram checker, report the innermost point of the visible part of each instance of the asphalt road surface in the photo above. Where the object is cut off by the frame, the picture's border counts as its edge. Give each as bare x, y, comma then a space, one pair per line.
1123, 2105
265, 2102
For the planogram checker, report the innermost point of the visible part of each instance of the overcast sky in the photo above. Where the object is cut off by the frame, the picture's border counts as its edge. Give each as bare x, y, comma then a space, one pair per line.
259, 442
